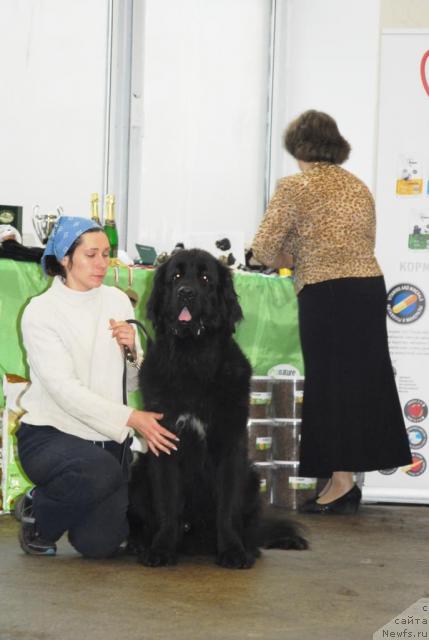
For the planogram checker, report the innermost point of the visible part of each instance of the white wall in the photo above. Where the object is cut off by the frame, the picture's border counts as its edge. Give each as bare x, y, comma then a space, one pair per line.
52, 67
328, 61
199, 100
397, 14
327, 58
201, 134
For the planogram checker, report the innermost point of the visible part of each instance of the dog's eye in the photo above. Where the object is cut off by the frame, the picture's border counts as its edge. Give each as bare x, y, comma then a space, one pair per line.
177, 276
205, 278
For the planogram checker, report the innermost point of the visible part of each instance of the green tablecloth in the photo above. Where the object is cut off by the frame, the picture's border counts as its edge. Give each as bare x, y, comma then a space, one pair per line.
268, 334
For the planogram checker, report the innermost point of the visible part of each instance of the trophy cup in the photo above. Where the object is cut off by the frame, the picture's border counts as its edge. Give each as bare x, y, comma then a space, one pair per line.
43, 223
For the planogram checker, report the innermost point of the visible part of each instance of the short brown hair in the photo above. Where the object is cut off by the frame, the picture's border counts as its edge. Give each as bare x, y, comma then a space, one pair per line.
314, 137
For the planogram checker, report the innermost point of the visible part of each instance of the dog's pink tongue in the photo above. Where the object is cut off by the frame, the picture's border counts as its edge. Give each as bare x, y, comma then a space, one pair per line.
185, 316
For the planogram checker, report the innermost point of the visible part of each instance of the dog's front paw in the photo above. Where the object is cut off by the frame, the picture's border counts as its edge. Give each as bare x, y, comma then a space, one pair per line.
235, 559
157, 558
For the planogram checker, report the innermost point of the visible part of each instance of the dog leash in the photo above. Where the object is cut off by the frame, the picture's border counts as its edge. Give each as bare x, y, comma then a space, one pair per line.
141, 326
128, 357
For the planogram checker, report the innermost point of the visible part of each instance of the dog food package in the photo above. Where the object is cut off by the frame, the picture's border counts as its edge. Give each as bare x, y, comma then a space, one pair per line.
14, 482
287, 397
286, 436
265, 472
260, 397
260, 440
289, 490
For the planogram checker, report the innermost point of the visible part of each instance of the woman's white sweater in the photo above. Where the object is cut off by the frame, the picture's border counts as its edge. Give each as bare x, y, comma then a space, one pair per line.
75, 365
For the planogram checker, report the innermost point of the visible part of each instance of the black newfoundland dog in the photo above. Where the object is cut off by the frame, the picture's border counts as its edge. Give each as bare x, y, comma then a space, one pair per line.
204, 498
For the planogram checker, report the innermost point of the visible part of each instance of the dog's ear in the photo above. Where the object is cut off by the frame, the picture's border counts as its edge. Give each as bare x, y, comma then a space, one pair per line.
231, 309
155, 304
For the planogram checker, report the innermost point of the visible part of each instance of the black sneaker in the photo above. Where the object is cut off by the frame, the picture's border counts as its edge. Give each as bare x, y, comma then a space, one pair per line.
23, 502
29, 538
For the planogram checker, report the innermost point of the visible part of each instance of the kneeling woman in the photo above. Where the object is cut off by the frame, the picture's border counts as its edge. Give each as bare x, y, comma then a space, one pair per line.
73, 442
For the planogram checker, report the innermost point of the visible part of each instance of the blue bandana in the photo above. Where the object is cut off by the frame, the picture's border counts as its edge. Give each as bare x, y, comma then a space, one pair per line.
67, 229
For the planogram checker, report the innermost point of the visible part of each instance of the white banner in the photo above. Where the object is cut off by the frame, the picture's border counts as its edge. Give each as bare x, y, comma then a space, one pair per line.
402, 198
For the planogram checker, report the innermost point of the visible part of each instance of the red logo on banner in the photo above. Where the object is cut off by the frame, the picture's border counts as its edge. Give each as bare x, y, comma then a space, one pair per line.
423, 72
416, 410
417, 467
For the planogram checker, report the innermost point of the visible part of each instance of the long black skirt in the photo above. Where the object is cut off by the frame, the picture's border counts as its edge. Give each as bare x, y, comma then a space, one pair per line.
352, 417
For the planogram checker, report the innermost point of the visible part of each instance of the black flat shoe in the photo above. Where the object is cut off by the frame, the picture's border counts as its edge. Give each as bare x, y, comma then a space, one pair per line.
344, 505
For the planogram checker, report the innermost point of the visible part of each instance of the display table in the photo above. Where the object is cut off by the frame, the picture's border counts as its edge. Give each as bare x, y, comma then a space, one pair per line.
268, 334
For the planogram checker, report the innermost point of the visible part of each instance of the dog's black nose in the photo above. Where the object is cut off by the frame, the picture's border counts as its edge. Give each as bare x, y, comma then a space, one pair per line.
186, 293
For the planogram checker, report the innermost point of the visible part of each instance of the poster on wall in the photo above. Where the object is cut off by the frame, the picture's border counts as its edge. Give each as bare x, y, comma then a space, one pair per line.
402, 200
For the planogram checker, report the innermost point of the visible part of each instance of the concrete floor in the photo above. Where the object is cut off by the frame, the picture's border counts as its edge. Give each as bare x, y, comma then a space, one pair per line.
360, 572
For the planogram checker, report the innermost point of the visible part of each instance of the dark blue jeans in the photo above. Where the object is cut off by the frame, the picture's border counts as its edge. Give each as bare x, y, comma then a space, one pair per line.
81, 488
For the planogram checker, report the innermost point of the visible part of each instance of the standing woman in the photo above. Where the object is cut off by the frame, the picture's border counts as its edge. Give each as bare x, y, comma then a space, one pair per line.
325, 218
73, 441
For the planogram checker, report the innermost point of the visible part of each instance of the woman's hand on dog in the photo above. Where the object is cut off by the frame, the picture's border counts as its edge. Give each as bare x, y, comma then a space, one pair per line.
158, 438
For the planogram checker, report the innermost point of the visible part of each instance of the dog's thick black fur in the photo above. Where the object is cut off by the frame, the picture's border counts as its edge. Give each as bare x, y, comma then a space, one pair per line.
204, 498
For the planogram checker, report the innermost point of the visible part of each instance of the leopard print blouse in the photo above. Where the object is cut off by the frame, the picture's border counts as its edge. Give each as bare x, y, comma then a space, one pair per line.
325, 218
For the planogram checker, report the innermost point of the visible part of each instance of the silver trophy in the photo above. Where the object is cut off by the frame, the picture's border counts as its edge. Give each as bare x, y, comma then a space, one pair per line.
43, 223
